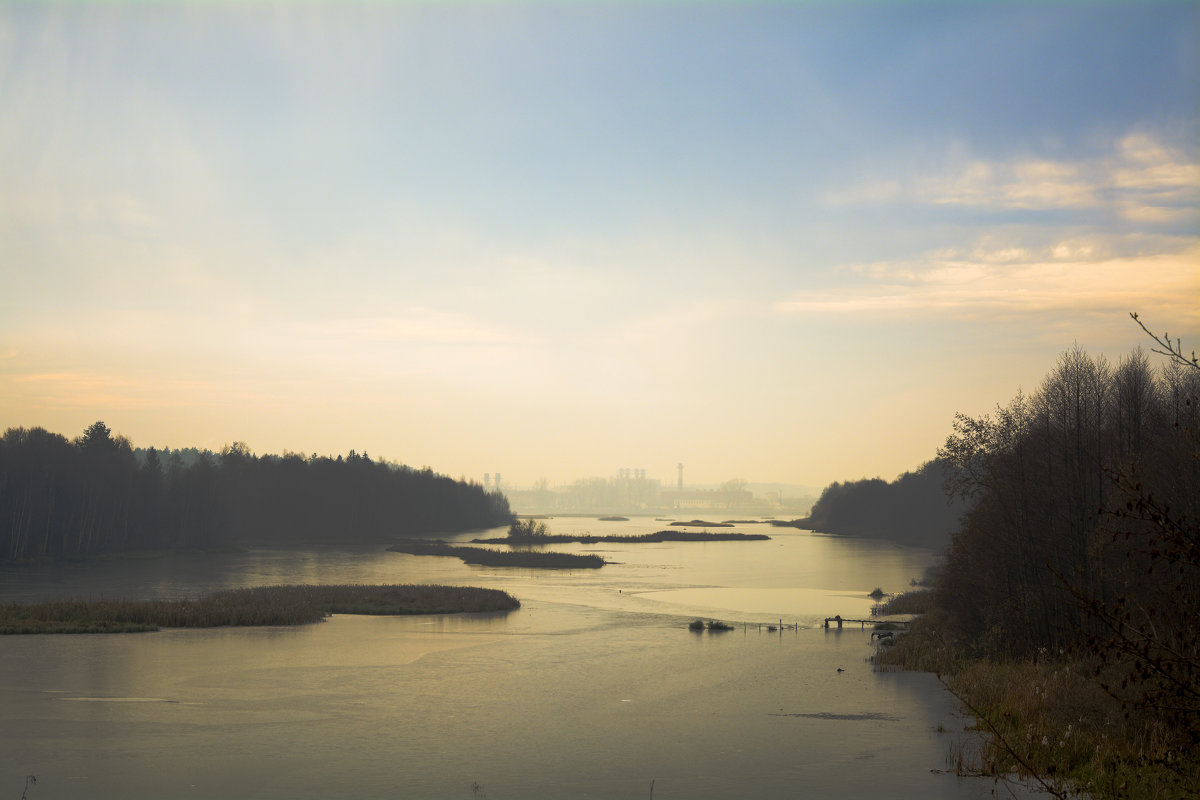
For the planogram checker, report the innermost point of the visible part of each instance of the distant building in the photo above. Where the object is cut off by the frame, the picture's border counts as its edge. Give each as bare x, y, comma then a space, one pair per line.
629, 491
707, 498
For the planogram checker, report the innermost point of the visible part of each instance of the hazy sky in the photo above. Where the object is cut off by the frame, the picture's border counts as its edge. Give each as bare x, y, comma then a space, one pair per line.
777, 241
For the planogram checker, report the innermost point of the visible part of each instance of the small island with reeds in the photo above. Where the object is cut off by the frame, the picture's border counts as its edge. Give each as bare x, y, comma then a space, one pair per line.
498, 558
532, 532
713, 625
257, 606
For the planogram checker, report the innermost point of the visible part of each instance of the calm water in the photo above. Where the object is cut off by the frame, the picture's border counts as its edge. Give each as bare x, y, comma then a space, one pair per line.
594, 689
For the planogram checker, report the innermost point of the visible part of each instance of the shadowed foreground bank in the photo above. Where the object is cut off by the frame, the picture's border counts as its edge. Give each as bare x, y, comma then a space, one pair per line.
264, 605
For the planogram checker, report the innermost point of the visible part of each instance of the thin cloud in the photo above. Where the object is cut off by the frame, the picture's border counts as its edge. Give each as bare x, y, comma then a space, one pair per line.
1142, 179
984, 286
1153, 184
1009, 186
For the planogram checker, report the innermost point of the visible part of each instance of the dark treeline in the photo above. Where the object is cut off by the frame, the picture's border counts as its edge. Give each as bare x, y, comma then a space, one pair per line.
1057, 527
1070, 596
97, 494
912, 510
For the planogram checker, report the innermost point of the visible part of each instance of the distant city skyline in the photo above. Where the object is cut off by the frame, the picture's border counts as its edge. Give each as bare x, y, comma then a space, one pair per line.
634, 492
772, 241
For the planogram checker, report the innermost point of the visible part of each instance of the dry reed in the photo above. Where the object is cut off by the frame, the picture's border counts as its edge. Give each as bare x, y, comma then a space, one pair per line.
264, 605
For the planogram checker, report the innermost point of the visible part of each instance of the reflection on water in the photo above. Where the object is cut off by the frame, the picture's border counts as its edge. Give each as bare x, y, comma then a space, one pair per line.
594, 688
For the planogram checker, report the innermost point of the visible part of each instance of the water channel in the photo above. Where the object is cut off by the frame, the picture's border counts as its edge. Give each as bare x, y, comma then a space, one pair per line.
595, 688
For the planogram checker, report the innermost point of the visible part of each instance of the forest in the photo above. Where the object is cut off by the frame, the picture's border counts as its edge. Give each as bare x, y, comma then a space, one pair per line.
97, 494
1065, 612
912, 510
1075, 492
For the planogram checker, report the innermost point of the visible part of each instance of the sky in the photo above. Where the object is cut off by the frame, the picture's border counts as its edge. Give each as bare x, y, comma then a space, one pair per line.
777, 241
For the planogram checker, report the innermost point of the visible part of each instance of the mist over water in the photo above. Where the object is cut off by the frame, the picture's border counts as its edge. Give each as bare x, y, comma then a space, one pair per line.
594, 688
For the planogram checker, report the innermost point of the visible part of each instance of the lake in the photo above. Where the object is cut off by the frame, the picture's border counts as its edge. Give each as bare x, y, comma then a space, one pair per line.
595, 688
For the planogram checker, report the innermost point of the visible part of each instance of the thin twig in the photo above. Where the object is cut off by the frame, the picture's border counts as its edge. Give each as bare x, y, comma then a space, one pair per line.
1173, 352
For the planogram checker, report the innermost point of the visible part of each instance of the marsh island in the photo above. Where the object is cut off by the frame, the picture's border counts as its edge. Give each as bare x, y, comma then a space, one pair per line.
498, 558
261, 605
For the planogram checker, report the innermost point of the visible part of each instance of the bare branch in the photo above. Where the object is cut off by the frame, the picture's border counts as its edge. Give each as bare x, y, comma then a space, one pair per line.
1171, 351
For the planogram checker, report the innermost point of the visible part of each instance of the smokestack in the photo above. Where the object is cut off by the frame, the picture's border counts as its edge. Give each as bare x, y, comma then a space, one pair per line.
680, 468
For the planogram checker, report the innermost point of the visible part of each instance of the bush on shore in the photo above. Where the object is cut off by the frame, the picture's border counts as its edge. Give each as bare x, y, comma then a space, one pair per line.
522, 529
917, 601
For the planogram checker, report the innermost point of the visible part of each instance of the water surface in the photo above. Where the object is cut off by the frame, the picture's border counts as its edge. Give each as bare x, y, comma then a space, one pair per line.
593, 689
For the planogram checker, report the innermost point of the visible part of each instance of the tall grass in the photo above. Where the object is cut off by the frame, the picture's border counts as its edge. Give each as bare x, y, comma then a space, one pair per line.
1049, 720
265, 605
917, 601
1052, 719
921, 648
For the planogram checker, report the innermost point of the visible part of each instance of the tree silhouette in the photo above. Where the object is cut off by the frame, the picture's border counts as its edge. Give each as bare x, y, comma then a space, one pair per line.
97, 494
1083, 540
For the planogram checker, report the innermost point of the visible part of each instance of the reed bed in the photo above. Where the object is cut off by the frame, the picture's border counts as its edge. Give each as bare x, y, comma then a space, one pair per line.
265, 605
1050, 718
918, 601
644, 538
500, 558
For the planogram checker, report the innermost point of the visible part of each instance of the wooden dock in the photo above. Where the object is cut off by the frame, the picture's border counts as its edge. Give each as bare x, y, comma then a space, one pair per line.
781, 626
839, 619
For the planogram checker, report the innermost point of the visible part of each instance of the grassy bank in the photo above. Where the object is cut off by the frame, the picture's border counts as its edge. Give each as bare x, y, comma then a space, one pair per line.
498, 558
267, 605
1050, 722
914, 602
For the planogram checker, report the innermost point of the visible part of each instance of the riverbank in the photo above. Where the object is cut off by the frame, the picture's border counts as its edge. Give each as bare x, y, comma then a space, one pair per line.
1050, 721
258, 606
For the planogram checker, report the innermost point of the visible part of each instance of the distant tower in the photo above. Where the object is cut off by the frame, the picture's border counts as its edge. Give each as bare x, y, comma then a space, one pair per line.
487, 480
680, 468
497, 481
